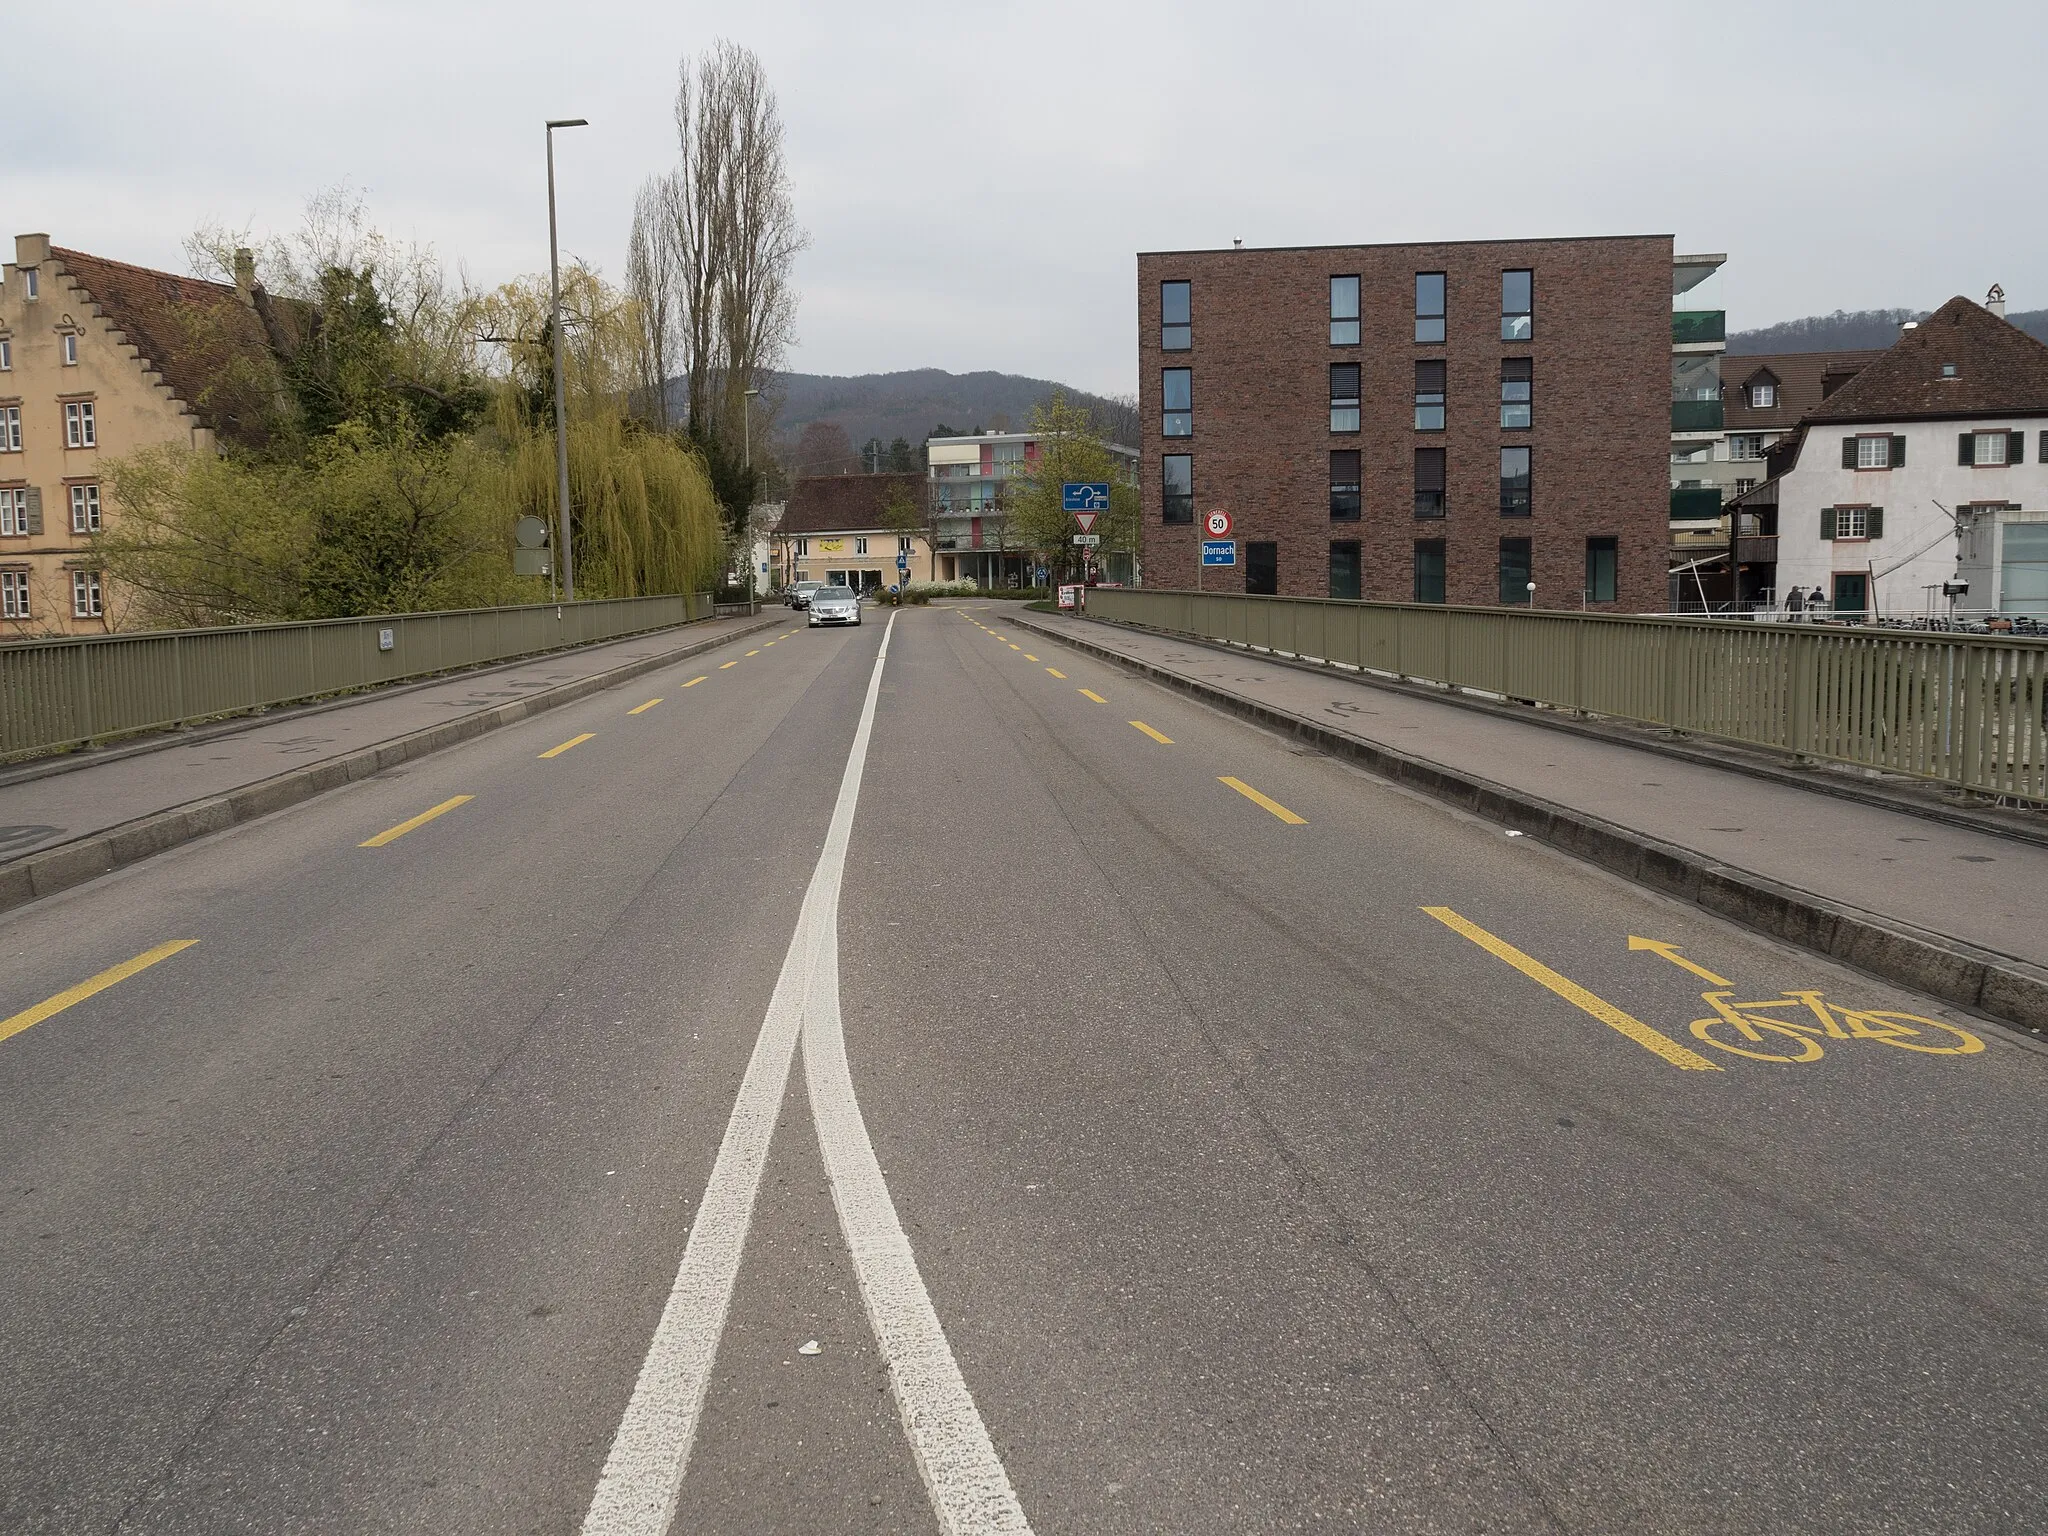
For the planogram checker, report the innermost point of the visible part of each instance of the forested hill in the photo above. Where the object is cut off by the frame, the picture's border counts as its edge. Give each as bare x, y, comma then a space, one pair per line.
1854, 330
909, 404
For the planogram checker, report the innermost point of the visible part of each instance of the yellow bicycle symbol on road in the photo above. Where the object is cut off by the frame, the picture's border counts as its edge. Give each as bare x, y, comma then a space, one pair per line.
1748, 1029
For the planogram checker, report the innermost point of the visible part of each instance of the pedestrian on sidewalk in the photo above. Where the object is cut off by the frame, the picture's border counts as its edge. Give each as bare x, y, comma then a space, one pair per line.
1817, 604
1795, 601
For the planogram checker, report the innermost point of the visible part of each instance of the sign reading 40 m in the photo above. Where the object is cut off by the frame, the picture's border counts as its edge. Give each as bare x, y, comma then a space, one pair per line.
1085, 496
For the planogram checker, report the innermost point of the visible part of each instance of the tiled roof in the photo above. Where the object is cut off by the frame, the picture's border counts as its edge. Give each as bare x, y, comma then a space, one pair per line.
188, 330
1799, 376
847, 503
1999, 371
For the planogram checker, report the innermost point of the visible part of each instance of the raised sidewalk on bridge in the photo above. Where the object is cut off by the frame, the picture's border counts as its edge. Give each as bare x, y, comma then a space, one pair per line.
68, 819
1899, 881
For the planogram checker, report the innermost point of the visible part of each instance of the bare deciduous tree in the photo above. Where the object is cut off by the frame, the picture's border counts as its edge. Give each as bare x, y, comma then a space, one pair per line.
716, 238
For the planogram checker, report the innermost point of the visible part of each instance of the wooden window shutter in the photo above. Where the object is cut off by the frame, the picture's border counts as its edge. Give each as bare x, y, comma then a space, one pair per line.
1965, 446
1898, 451
1848, 453
2015, 447
35, 509
1827, 521
1873, 522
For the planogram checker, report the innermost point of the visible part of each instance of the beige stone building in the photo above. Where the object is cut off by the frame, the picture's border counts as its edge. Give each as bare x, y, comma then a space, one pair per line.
97, 360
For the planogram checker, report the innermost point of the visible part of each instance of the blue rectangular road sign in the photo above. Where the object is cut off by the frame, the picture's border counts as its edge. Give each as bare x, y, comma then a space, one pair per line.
1219, 551
1085, 496
902, 561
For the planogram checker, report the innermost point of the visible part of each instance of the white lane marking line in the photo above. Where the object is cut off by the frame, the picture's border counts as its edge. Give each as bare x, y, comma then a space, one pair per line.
970, 1492
642, 1480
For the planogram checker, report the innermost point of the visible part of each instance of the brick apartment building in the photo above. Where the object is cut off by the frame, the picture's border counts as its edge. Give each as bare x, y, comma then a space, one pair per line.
1437, 423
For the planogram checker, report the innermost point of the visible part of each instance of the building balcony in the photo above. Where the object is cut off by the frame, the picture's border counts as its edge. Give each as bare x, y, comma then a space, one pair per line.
1696, 416
1690, 327
1695, 504
1758, 549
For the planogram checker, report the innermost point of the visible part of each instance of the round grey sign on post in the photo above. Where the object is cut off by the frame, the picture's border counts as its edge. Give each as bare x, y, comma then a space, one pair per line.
531, 532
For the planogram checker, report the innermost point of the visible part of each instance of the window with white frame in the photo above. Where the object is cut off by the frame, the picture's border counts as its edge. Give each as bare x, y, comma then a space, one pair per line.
902, 543
1852, 522
85, 509
81, 430
1763, 396
14, 595
803, 548
860, 546
6, 353
13, 512
1874, 452
71, 349
1746, 445
10, 429
1742, 486
31, 282
1989, 448
85, 594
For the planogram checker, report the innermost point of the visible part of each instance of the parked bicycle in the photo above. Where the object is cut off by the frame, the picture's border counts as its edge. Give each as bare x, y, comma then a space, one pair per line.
1751, 1030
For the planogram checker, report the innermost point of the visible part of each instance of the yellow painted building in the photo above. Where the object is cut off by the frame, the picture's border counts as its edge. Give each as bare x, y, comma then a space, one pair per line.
98, 359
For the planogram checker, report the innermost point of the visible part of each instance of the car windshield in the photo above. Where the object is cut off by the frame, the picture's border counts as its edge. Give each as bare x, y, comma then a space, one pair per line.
834, 594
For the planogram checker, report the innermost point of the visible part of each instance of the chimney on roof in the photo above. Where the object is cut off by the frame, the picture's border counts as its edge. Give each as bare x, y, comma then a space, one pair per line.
245, 271
1995, 300
1237, 245
1910, 325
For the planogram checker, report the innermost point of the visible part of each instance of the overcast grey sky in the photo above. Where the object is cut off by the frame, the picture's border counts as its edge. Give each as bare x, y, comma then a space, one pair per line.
976, 179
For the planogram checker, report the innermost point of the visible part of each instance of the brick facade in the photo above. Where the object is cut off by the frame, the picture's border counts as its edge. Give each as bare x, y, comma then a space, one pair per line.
1600, 434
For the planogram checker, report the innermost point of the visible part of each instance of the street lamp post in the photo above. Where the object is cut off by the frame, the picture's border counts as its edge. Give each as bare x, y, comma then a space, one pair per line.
747, 529
565, 553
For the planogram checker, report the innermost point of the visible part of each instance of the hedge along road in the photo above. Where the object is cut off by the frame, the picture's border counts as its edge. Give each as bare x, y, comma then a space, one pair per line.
1245, 1192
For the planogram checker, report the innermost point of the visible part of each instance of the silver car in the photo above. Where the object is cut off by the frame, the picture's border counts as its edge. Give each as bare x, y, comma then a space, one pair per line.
834, 605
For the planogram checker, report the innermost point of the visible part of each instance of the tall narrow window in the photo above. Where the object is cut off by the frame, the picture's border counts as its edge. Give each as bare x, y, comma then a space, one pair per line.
1262, 568
1517, 389
1346, 494
1429, 570
80, 429
1602, 562
1514, 482
1429, 482
14, 512
85, 594
1346, 568
71, 349
1343, 397
1514, 571
1176, 317
1177, 390
10, 429
1517, 305
6, 354
14, 595
1429, 395
1429, 306
85, 509
31, 282
1177, 481
1343, 311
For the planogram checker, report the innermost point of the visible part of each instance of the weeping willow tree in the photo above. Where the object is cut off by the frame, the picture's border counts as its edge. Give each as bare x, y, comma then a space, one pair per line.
643, 514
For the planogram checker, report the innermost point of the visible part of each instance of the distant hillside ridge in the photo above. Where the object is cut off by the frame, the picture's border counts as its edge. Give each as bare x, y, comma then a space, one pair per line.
909, 404
1854, 330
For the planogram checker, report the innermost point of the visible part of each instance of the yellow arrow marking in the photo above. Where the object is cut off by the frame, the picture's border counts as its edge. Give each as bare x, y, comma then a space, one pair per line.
1670, 952
1649, 1039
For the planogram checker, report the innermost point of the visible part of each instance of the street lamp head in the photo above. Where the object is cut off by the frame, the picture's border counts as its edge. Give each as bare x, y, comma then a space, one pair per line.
753, 391
568, 122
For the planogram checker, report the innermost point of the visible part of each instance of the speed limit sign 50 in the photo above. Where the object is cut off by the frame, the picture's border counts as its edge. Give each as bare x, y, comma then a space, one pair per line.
1218, 524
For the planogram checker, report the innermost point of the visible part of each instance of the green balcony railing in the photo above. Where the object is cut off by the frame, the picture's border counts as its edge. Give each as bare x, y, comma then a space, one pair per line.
1696, 416
1695, 503
1689, 326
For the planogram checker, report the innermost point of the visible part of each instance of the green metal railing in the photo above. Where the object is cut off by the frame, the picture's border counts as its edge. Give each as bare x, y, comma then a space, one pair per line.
1693, 503
75, 688
1696, 415
1970, 710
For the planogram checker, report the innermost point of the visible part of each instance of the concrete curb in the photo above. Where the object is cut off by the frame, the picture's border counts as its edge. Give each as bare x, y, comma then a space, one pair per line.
56, 869
1990, 983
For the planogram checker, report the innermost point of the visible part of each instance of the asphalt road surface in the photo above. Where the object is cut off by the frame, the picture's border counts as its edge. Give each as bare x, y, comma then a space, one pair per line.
969, 1089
